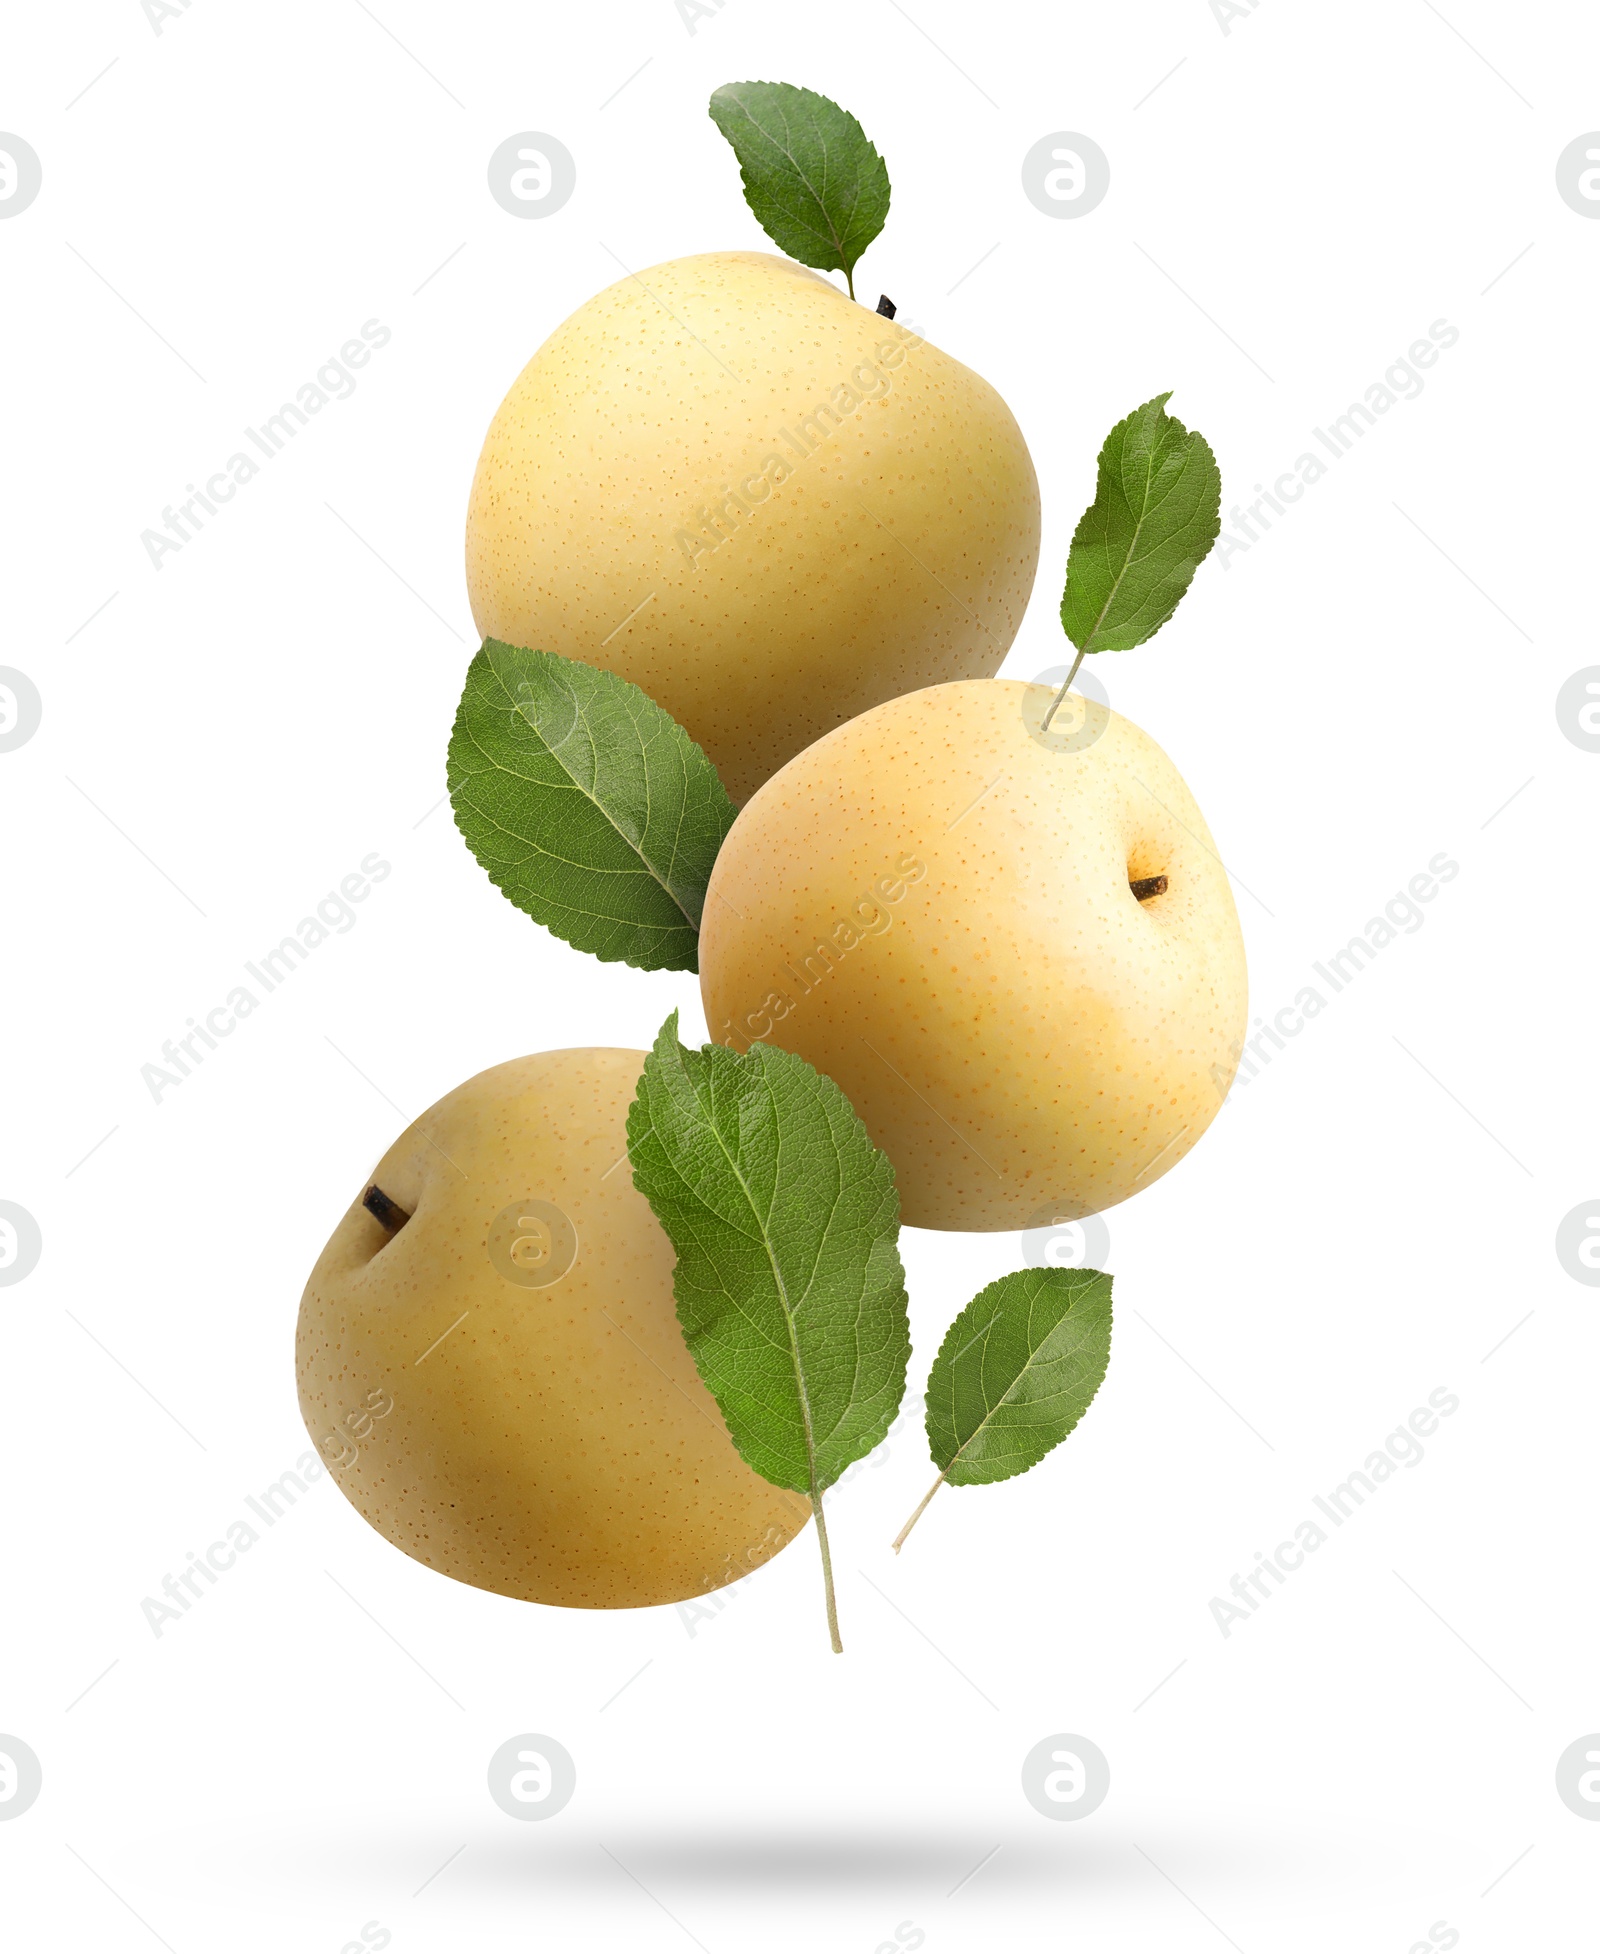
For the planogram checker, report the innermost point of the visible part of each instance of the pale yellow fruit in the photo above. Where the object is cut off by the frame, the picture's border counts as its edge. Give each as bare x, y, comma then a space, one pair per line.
756, 499
551, 1442
933, 906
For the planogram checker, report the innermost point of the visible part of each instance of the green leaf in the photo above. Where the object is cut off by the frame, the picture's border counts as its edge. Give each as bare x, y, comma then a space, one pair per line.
1016, 1371
817, 186
1156, 512
789, 1287
589, 807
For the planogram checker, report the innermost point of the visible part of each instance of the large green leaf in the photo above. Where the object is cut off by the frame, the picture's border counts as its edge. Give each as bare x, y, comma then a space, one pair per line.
1157, 510
817, 186
589, 807
789, 1286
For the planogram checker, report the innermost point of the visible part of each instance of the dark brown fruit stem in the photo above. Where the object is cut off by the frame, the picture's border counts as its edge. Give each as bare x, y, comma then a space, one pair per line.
1151, 885
382, 1209
886, 306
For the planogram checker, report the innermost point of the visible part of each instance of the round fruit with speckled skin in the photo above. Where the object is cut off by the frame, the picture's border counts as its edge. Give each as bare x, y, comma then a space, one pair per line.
758, 500
545, 1439
1018, 955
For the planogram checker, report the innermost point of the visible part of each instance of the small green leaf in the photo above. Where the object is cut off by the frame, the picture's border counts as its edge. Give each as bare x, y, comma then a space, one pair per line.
817, 186
789, 1287
1016, 1371
589, 807
1156, 512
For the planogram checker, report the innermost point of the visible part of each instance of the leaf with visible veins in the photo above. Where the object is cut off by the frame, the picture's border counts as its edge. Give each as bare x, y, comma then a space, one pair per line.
1017, 1370
788, 1281
1156, 512
589, 807
817, 186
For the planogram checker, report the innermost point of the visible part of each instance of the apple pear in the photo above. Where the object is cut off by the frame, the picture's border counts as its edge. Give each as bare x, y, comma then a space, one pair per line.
761, 502
490, 1361
1009, 940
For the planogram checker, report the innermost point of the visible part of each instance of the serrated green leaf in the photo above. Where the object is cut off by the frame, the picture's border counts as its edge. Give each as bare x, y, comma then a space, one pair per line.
818, 188
1157, 510
788, 1282
1016, 1371
785, 1220
590, 807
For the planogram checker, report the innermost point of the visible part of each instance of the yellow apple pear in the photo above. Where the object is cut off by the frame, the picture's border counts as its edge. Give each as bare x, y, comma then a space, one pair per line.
491, 1366
764, 504
1012, 944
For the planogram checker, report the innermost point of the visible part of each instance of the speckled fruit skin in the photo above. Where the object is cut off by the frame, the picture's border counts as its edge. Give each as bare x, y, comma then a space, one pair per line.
645, 502
1015, 1028
557, 1445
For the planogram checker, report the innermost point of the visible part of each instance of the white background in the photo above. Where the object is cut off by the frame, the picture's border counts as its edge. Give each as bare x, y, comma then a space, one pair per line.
1372, 1218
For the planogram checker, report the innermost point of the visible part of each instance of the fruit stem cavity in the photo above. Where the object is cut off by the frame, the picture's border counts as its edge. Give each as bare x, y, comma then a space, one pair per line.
389, 1213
